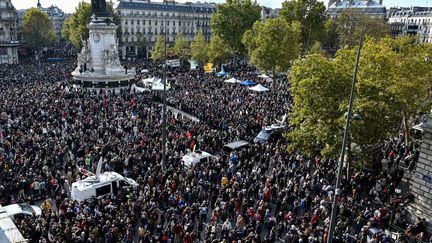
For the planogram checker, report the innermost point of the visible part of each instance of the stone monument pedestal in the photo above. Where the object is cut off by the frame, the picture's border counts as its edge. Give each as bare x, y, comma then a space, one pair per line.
99, 66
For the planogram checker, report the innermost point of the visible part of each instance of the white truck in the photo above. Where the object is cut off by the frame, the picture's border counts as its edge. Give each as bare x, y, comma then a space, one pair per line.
100, 184
191, 159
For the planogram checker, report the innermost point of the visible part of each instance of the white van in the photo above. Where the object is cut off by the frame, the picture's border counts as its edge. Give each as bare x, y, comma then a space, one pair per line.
191, 159
104, 184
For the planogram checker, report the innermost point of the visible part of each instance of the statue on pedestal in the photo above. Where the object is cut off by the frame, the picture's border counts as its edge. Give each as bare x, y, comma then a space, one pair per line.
99, 8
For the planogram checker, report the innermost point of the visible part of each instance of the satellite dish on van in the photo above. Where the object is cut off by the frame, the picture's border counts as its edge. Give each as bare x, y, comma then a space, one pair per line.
99, 167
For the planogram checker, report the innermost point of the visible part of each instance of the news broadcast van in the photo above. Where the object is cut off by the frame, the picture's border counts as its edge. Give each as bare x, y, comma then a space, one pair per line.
100, 184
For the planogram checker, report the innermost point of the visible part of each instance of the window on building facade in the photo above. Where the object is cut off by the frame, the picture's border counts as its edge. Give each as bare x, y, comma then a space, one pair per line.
132, 21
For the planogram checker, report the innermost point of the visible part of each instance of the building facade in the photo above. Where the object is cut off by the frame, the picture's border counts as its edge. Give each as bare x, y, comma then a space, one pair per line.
142, 21
371, 8
412, 21
8, 33
269, 13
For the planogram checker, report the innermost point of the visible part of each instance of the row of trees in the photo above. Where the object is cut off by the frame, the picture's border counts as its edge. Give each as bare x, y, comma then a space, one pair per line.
199, 49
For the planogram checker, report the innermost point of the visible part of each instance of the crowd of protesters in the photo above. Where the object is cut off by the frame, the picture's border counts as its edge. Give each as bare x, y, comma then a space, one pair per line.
260, 193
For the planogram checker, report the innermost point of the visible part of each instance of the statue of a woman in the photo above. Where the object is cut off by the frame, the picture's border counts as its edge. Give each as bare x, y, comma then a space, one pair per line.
99, 8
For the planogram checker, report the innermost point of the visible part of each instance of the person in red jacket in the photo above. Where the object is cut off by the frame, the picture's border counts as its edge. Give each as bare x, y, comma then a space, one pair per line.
187, 238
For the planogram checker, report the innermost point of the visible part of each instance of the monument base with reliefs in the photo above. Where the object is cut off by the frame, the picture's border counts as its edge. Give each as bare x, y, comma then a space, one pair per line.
99, 65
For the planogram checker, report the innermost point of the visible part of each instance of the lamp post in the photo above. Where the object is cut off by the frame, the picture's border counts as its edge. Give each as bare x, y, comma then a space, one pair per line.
344, 144
164, 103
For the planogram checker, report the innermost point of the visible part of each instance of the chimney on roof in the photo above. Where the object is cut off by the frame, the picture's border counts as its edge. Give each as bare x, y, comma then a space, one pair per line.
381, 2
39, 4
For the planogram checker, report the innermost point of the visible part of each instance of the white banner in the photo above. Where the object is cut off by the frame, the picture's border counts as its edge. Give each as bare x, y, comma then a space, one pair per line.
173, 63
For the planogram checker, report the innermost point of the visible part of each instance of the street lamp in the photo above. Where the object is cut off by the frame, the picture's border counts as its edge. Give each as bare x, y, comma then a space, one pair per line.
164, 102
344, 144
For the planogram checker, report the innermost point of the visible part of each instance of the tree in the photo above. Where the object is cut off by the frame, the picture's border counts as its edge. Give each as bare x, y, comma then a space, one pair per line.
219, 51
199, 48
38, 29
311, 14
232, 19
392, 83
351, 23
158, 52
331, 42
411, 81
75, 27
181, 47
272, 45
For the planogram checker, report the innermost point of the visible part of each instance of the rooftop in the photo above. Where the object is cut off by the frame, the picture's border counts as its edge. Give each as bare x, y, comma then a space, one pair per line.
357, 4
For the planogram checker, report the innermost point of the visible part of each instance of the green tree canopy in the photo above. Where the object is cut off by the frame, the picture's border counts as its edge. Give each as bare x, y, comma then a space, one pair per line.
181, 47
232, 19
311, 14
38, 29
219, 51
158, 52
272, 45
75, 27
412, 78
199, 48
386, 91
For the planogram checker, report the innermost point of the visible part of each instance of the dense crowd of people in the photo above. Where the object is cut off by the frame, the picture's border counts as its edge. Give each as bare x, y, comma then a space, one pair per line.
260, 193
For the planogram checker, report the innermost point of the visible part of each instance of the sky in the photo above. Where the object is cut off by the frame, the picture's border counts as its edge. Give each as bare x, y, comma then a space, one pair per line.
69, 5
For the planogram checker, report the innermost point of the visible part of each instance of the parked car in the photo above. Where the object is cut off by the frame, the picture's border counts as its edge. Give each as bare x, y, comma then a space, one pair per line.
22, 209
269, 134
236, 145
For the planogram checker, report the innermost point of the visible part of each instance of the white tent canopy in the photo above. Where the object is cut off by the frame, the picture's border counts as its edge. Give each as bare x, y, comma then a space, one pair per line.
259, 88
232, 81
